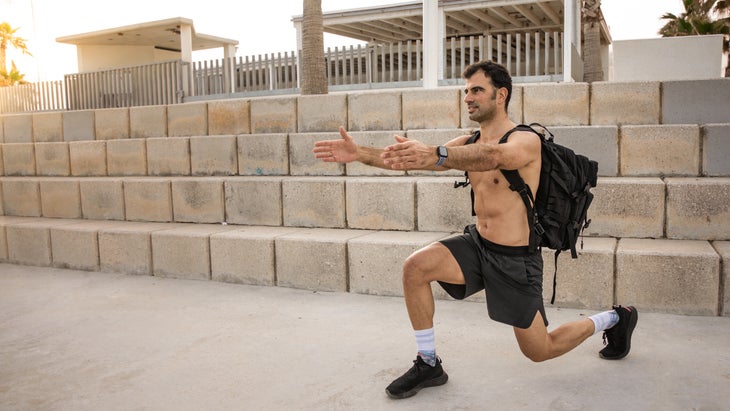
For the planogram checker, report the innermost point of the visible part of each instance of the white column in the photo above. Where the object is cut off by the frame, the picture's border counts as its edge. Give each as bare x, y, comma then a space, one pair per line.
571, 36
431, 41
186, 54
298, 27
229, 55
186, 42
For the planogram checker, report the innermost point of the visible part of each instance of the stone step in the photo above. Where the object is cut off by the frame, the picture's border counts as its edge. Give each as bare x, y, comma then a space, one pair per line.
640, 207
556, 104
629, 150
673, 276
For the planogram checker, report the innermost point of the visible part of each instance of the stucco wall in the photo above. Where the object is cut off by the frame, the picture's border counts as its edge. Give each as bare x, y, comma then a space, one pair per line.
671, 58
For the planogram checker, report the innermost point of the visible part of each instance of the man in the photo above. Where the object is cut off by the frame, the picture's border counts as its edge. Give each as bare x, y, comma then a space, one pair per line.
492, 254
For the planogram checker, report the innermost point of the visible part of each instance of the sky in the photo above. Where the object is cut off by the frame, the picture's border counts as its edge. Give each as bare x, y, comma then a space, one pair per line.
259, 26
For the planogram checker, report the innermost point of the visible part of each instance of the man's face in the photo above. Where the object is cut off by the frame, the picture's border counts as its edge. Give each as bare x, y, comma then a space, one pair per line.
480, 97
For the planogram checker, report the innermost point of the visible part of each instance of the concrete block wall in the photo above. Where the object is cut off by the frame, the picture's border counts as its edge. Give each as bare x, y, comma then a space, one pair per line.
229, 190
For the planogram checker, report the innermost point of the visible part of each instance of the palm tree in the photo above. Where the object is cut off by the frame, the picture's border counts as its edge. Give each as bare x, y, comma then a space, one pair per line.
592, 65
8, 38
701, 17
14, 77
314, 69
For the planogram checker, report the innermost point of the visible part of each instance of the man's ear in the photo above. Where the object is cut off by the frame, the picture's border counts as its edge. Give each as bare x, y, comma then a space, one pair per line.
502, 94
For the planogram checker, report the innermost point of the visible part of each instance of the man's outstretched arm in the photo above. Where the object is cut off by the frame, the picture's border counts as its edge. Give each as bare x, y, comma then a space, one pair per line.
345, 150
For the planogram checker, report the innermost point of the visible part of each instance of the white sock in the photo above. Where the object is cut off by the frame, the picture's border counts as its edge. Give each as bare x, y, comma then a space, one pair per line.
426, 344
604, 321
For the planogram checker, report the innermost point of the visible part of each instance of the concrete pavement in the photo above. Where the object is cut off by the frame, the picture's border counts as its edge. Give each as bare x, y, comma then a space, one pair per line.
74, 340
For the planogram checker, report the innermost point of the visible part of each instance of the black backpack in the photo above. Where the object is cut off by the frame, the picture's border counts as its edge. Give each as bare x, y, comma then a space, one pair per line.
558, 214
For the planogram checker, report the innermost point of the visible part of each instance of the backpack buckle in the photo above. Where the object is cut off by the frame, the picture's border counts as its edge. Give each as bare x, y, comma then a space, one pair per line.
538, 229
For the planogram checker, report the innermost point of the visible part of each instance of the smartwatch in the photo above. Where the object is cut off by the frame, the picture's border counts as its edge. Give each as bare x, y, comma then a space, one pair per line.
443, 153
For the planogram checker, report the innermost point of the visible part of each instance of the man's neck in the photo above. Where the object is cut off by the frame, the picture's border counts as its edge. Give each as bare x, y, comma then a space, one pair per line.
492, 130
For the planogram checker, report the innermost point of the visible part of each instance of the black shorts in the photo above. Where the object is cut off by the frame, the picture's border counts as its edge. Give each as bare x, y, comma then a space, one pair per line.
511, 277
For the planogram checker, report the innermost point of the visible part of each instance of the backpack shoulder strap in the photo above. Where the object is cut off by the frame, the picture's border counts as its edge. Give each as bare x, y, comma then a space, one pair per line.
517, 183
472, 139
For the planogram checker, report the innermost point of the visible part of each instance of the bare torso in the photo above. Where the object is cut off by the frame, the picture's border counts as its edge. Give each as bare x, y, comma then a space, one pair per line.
501, 214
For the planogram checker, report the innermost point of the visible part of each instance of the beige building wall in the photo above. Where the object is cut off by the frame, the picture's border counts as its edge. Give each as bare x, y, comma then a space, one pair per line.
670, 58
95, 58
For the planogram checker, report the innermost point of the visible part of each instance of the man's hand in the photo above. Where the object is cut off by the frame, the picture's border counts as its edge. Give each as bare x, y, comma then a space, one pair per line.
409, 154
336, 151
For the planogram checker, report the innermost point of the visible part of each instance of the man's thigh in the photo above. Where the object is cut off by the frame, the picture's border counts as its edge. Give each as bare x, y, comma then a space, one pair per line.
438, 264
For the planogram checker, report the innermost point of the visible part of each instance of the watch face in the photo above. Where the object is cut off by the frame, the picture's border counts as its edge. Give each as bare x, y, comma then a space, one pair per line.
443, 152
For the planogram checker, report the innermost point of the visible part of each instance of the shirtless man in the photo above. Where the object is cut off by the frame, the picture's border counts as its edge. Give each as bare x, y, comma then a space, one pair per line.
492, 254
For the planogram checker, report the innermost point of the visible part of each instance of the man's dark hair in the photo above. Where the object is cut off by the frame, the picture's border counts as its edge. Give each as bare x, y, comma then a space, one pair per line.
497, 72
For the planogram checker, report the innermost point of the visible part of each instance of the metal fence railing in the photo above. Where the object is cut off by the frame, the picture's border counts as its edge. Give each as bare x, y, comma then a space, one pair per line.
42, 96
150, 84
530, 56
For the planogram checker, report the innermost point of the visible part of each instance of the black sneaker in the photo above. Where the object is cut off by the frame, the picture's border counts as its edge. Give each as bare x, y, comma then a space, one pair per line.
618, 338
421, 375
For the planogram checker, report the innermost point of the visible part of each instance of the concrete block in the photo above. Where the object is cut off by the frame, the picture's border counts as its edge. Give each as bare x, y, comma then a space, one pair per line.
263, 154
620, 103
376, 260
213, 156
381, 203
148, 199
302, 161
514, 110
21, 197
148, 121
378, 139
723, 249
434, 138
88, 158
76, 245
2, 129
698, 208
229, 117
432, 108
599, 143
18, 128
368, 111
716, 150
671, 276
19, 159
4, 222
29, 243
274, 115
696, 101
60, 197
52, 159
441, 207
79, 125
321, 113
184, 252
111, 123
246, 255
127, 248
126, 157
198, 200
660, 150
627, 207
583, 282
102, 198
313, 202
190, 119
314, 259
48, 127
562, 104
168, 156
253, 201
